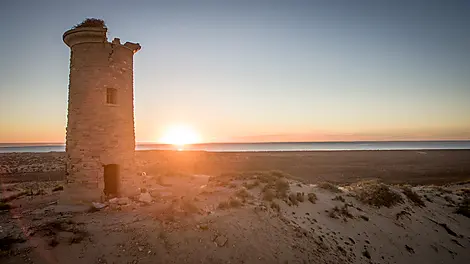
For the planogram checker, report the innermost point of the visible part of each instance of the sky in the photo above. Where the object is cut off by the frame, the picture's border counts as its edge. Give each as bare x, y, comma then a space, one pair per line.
241, 71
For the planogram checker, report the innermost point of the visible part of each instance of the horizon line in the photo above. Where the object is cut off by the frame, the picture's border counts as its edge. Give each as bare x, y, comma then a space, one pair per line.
251, 142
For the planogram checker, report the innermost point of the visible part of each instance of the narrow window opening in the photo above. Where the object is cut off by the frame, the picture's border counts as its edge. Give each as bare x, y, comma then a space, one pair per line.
111, 96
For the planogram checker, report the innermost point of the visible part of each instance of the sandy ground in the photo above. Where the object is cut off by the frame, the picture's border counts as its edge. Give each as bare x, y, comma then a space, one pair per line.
412, 167
262, 217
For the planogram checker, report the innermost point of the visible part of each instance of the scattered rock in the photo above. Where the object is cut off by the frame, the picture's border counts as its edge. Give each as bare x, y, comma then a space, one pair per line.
220, 240
145, 197
99, 206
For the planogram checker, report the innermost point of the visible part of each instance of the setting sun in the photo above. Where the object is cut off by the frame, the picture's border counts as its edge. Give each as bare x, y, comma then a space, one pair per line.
180, 135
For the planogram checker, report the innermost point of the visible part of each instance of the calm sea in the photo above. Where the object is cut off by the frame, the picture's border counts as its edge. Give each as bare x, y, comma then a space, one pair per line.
253, 147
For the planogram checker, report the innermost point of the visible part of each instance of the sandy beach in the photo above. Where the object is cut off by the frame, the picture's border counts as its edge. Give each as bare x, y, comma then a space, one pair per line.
246, 208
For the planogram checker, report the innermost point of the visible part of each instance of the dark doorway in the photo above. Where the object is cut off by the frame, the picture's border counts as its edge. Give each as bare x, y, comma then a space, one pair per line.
111, 179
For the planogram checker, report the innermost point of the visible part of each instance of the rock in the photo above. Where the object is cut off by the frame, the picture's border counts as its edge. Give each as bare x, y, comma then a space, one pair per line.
123, 201
99, 206
113, 200
145, 198
220, 240
203, 226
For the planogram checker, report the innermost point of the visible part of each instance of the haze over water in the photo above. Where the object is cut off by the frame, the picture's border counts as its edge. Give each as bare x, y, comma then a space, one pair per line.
256, 147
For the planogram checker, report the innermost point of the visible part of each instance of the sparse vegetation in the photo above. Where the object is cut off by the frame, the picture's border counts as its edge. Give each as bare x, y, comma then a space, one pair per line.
234, 202
223, 205
413, 197
329, 186
277, 189
243, 194
91, 22
312, 197
293, 199
401, 214
230, 203
378, 195
4, 206
464, 207
282, 187
449, 199
300, 197
188, 206
58, 188
251, 185
443, 190
275, 206
336, 212
268, 195
365, 218
339, 198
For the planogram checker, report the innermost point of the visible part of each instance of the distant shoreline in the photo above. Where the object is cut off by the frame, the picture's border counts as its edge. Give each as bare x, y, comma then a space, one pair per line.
267, 147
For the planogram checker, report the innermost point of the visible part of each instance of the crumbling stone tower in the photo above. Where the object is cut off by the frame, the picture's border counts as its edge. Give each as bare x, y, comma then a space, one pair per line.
100, 139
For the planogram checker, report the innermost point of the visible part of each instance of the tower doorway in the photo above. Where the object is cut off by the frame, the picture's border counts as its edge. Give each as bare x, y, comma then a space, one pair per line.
111, 179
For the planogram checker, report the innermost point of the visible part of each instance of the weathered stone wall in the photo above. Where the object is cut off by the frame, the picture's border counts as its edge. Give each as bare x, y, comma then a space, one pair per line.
99, 133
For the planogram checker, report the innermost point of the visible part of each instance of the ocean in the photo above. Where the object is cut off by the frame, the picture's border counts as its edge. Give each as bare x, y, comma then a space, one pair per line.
256, 147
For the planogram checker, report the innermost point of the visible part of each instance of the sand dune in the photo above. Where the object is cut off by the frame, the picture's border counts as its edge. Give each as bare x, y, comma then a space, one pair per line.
242, 218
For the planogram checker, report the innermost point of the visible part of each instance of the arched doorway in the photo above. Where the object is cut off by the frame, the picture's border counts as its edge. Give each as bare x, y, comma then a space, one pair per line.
111, 179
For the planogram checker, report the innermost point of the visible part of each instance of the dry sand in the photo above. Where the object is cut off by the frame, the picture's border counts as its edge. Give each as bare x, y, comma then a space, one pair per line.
413, 167
240, 218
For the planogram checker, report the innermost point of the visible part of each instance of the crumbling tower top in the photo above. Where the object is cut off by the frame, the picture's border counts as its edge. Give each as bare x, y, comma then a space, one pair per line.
93, 31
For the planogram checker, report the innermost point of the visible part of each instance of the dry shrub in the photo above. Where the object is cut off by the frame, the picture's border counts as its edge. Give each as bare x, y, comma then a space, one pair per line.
243, 194
234, 202
413, 197
464, 207
329, 186
280, 188
223, 205
4, 206
251, 185
189, 206
336, 212
300, 197
230, 203
378, 195
339, 198
270, 177
293, 199
91, 22
312, 197
275, 206
268, 195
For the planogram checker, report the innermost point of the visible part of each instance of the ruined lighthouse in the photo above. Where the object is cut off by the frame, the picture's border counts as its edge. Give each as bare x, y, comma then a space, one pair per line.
100, 139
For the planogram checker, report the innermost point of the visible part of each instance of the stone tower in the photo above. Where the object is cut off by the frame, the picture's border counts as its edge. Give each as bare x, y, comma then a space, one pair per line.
100, 139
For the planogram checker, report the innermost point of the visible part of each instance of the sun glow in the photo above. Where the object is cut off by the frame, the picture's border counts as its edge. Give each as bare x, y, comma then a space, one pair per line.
180, 135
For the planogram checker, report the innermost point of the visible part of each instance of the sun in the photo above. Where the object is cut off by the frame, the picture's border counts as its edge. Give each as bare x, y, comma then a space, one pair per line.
180, 135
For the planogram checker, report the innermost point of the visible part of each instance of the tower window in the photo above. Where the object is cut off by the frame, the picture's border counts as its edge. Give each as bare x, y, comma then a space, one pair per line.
111, 96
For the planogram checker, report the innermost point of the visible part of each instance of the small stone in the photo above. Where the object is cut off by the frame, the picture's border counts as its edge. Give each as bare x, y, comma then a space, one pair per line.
145, 197
123, 201
99, 205
114, 200
220, 241
203, 226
